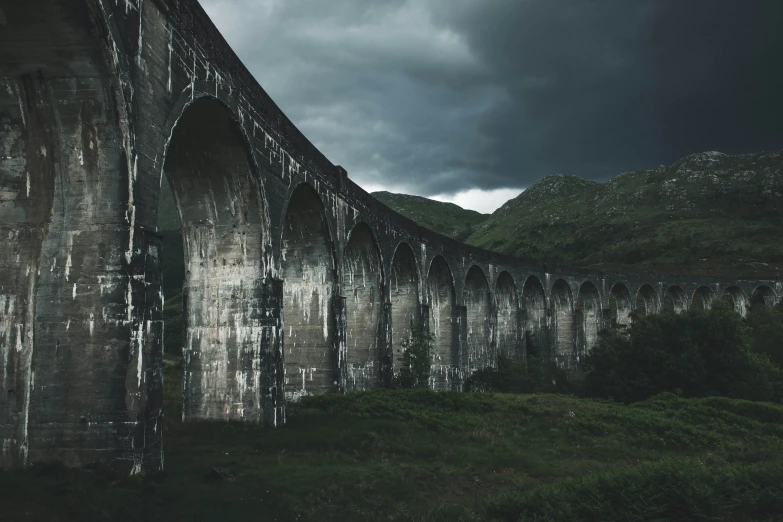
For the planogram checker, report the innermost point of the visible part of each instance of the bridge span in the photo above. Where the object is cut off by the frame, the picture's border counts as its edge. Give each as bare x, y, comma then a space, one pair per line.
297, 281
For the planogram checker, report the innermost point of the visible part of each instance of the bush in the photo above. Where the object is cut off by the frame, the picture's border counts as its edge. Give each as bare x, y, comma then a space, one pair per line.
700, 353
415, 371
766, 331
533, 376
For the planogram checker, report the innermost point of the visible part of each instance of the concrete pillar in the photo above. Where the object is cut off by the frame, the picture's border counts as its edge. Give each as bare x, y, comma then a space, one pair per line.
462, 348
385, 346
341, 340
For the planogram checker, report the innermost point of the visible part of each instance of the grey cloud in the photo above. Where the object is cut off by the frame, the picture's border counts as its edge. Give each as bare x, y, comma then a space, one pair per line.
438, 96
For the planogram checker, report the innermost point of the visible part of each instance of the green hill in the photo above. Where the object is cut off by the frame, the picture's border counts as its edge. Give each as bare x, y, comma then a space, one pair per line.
445, 218
707, 214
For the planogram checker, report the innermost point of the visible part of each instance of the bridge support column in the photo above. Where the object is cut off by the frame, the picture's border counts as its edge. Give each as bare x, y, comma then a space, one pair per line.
492, 358
521, 345
385, 347
272, 385
340, 338
461, 346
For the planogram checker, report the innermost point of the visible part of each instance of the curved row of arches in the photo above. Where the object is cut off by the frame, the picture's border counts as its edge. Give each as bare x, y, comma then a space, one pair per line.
345, 321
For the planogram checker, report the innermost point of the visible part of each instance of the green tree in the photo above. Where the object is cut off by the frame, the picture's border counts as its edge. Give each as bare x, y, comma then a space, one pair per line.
700, 353
766, 331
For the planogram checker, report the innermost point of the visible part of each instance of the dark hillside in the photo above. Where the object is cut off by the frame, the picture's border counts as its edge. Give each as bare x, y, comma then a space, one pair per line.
445, 218
707, 214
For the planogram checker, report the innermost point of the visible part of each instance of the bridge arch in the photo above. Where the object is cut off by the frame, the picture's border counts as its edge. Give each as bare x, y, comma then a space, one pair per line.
534, 315
444, 373
226, 241
675, 300
362, 286
404, 299
737, 298
647, 300
620, 305
562, 309
702, 298
588, 316
308, 271
763, 295
507, 320
477, 301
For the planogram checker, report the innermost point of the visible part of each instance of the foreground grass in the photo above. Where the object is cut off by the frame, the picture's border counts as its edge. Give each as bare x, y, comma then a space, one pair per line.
416, 455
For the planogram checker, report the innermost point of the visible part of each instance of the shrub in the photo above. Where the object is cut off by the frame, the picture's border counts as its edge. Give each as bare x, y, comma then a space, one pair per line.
531, 376
415, 370
701, 353
766, 331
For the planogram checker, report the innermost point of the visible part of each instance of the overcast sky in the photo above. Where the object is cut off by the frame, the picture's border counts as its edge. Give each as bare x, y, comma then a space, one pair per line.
473, 100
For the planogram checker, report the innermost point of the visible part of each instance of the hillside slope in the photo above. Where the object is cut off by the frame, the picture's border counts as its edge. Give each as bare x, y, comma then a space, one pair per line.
445, 218
707, 214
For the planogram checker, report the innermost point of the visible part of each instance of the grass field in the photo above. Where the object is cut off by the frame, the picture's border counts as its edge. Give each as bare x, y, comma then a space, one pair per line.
418, 455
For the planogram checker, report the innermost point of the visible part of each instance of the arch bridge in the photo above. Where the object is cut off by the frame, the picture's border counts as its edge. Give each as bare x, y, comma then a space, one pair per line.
297, 281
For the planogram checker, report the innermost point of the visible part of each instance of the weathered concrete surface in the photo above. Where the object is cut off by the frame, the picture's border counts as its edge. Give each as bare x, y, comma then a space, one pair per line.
445, 373
362, 286
588, 317
509, 318
476, 297
403, 300
297, 281
307, 267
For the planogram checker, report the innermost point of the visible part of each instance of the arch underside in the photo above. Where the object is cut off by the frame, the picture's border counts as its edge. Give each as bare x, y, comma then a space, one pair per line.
477, 302
507, 324
588, 315
620, 305
563, 327
675, 300
308, 273
223, 228
763, 295
702, 299
362, 289
404, 299
534, 317
738, 299
647, 301
444, 370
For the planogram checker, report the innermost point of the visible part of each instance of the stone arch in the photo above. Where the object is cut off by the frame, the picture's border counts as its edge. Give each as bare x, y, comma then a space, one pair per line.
737, 298
476, 297
404, 299
763, 295
307, 268
507, 322
702, 298
588, 317
444, 373
647, 300
562, 311
620, 305
363, 289
675, 300
223, 218
534, 302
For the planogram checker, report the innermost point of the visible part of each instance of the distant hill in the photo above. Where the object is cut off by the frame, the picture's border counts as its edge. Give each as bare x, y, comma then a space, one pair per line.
445, 218
707, 214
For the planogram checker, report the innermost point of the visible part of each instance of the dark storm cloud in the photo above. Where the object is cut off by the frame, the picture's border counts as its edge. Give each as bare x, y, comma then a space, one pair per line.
445, 95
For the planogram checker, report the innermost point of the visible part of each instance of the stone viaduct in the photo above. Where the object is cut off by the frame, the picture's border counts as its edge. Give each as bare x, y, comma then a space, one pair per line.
297, 280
